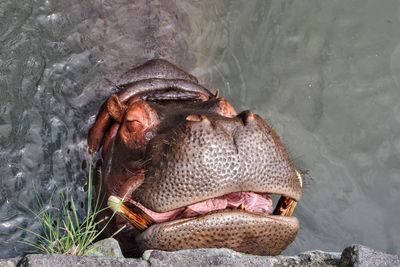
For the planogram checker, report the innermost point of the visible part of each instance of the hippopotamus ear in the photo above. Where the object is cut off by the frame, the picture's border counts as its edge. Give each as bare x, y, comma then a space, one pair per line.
111, 110
115, 108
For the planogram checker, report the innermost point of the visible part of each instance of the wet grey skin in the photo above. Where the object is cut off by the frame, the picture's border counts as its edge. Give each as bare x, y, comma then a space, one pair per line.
210, 157
216, 156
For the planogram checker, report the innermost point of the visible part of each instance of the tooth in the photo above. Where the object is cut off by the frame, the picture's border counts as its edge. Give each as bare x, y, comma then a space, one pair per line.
285, 206
290, 209
114, 202
132, 214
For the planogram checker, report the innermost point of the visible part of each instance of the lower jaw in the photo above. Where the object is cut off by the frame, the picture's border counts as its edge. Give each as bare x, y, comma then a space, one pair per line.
241, 231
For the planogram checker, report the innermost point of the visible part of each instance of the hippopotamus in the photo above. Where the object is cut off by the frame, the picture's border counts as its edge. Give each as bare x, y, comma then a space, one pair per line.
188, 170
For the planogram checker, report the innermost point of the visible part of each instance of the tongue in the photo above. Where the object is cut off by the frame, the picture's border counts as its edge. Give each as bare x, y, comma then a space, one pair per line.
252, 202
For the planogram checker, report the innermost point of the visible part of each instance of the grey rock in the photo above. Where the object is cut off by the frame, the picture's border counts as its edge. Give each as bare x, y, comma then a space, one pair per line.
108, 247
12, 262
56, 260
227, 257
315, 258
355, 255
203, 257
361, 256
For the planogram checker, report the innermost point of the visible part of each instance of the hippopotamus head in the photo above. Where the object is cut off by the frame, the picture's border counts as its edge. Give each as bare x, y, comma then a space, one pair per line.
192, 172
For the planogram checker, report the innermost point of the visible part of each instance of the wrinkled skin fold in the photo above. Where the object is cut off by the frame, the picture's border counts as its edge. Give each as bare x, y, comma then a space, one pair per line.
201, 171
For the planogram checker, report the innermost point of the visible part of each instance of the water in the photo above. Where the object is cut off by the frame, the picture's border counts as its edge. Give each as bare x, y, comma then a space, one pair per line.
325, 74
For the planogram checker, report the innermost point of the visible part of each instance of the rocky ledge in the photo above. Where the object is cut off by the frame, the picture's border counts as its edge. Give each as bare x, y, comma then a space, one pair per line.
355, 255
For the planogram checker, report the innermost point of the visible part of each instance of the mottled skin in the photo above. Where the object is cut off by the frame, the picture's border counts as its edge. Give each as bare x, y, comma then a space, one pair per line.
168, 142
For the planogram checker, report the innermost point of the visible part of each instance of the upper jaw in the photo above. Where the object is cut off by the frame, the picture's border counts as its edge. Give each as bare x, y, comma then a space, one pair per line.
208, 159
158, 206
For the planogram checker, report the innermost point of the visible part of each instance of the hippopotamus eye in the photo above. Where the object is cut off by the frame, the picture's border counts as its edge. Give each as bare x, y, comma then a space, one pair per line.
133, 126
149, 135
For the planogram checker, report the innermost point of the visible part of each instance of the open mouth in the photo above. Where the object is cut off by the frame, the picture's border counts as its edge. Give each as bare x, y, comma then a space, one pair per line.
260, 204
242, 221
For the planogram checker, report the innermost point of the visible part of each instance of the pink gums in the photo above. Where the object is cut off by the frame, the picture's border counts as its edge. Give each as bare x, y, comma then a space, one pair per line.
252, 202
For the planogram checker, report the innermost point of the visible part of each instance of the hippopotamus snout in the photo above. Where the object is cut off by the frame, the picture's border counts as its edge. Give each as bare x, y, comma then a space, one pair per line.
208, 156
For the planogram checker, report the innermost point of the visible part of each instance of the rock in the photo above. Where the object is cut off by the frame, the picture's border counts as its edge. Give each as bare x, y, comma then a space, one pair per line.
203, 257
315, 258
355, 255
227, 257
58, 260
360, 256
108, 247
12, 262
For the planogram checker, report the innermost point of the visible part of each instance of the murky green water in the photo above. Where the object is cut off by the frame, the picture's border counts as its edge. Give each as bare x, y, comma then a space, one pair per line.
326, 74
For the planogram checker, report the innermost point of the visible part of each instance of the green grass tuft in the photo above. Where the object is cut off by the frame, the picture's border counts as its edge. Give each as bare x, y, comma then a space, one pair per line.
62, 230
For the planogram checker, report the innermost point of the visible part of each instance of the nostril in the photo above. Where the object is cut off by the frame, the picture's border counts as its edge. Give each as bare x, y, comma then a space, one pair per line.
246, 116
193, 118
198, 118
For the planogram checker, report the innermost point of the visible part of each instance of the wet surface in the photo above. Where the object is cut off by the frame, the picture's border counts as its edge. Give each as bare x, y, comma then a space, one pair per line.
325, 75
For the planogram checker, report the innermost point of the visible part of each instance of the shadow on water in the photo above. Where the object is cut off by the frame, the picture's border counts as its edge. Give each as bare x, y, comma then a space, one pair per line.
325, 74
